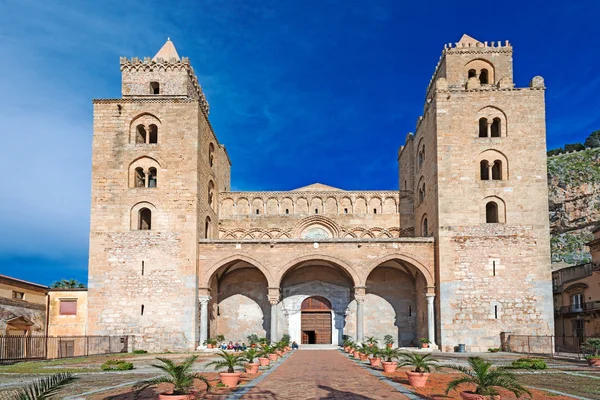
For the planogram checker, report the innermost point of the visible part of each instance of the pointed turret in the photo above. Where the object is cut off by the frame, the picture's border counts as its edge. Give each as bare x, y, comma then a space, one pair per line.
468, 41
167, 52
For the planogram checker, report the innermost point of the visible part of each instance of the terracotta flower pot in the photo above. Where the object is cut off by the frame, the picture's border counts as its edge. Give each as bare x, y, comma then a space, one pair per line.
209, 346
417, 379
471, 396
363, 357
287, 348
389, 366
375, 361
424, 345
230, 379
356, 354
166, 396
279, 353
346, 349
390, 345
594, 362
273, 357
264, 361
252, 368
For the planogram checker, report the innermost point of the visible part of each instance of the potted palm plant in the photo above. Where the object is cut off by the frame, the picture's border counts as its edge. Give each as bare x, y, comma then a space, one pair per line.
365, 351
263, 357
253, 340
250, 355
593, 344
210, 343
179, 375
486, 379
229, 361
372, 341
388, 354
375, 353
268, 352
279, 348
388, 340
422, 365
424, 343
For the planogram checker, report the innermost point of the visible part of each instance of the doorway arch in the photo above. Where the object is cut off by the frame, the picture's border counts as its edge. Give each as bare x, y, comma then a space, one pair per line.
316, 320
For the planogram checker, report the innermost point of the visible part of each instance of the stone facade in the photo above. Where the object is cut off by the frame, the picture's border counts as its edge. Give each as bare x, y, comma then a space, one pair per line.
176, 258
22, 307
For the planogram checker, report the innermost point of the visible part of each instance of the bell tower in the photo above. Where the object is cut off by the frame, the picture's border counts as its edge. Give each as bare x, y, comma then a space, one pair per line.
480, 188
157, 168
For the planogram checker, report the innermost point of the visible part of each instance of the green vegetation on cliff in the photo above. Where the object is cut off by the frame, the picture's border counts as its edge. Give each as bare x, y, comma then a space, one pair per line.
574, 200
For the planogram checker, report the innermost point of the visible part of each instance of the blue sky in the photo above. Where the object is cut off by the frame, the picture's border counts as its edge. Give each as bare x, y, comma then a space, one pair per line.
300, 92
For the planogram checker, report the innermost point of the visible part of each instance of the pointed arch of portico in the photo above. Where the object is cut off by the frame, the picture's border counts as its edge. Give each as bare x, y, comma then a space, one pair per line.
206, 278
351, 272
426, 271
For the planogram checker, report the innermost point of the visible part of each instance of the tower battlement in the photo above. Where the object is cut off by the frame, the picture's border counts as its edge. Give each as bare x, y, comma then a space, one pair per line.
166, 74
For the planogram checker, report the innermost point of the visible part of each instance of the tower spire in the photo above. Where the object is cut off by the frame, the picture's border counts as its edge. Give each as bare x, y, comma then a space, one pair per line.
167, 52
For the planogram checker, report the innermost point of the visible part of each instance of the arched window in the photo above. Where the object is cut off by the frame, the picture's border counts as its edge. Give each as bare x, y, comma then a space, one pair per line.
140, 178
152, 180
484, 168
496, 127
211, 192
491, 213
153, 136
483, 127
207, 228
154, 88
483, 77
211, 154
145, 219
425, 227
140, 136
472, 73
497, 170
420, 159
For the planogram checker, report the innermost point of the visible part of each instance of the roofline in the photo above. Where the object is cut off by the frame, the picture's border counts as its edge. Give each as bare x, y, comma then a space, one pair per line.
68, 290
23, 282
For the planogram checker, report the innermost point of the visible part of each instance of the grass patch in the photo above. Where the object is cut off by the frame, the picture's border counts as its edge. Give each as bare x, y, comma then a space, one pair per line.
117, 365
565, 383
529, 363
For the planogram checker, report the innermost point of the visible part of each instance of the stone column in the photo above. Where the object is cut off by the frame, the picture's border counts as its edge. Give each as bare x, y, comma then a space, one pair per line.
274, 300
490, 168
203, 320
489, 129
431, 319
359, 296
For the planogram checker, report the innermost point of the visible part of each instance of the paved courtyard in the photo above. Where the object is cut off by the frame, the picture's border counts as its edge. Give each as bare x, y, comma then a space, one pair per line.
321, 374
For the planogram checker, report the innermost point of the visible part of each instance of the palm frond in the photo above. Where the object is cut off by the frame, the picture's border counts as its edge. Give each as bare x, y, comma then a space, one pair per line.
45, 388
457, 382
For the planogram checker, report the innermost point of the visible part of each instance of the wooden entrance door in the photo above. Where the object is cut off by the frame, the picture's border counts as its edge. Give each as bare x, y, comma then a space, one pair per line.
316, 321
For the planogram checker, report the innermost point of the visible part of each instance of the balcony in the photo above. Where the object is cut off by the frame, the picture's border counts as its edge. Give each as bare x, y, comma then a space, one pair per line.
580, 308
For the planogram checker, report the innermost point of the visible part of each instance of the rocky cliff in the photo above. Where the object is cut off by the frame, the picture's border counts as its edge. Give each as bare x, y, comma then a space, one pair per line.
574, 199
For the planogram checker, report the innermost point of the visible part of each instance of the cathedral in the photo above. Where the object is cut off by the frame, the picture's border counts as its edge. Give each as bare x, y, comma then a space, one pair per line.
459, 254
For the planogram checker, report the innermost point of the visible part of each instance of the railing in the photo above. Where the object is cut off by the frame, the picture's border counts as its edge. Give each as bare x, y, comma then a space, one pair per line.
16, 348
569, 346
580, 308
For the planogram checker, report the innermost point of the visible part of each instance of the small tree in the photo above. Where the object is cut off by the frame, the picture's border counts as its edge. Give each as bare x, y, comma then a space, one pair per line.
389, 354
253, 339
371, 340
250, 354
388, 340
573, 147
67, 284
593, 140
593, 344
486, 378
554, 152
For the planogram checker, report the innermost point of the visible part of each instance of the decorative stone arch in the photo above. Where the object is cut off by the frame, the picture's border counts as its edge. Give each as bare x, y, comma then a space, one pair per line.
425, 271
360, 205
317, 205
346, 203
390, 205
480, 65
258, 203
242, 206
491, 156
227, 206
491, 114
145, 120
206, 278
424, 226
134, 215
395, 232
331, 205
501, 209
420, 153
236, 233
351, 272
301, 205
272, 205
375, 205
316, 221
287, 204
421, 191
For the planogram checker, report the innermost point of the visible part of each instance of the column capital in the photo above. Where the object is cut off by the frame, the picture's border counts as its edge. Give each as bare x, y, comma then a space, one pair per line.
274, 295
430, 296
204, 299
359, 293
430, 291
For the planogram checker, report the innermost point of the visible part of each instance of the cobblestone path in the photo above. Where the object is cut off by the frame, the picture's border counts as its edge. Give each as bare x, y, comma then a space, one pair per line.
321, 374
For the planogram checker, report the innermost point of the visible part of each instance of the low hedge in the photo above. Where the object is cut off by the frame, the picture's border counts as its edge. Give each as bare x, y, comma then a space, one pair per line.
140, 352
117, 365
529, 363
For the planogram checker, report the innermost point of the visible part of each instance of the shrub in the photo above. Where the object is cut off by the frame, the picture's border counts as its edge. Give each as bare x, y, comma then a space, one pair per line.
493, 349
140, 352
117, 365
253, 339
529, 363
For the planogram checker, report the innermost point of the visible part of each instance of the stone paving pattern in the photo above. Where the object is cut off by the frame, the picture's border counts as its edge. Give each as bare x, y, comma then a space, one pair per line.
321, 374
